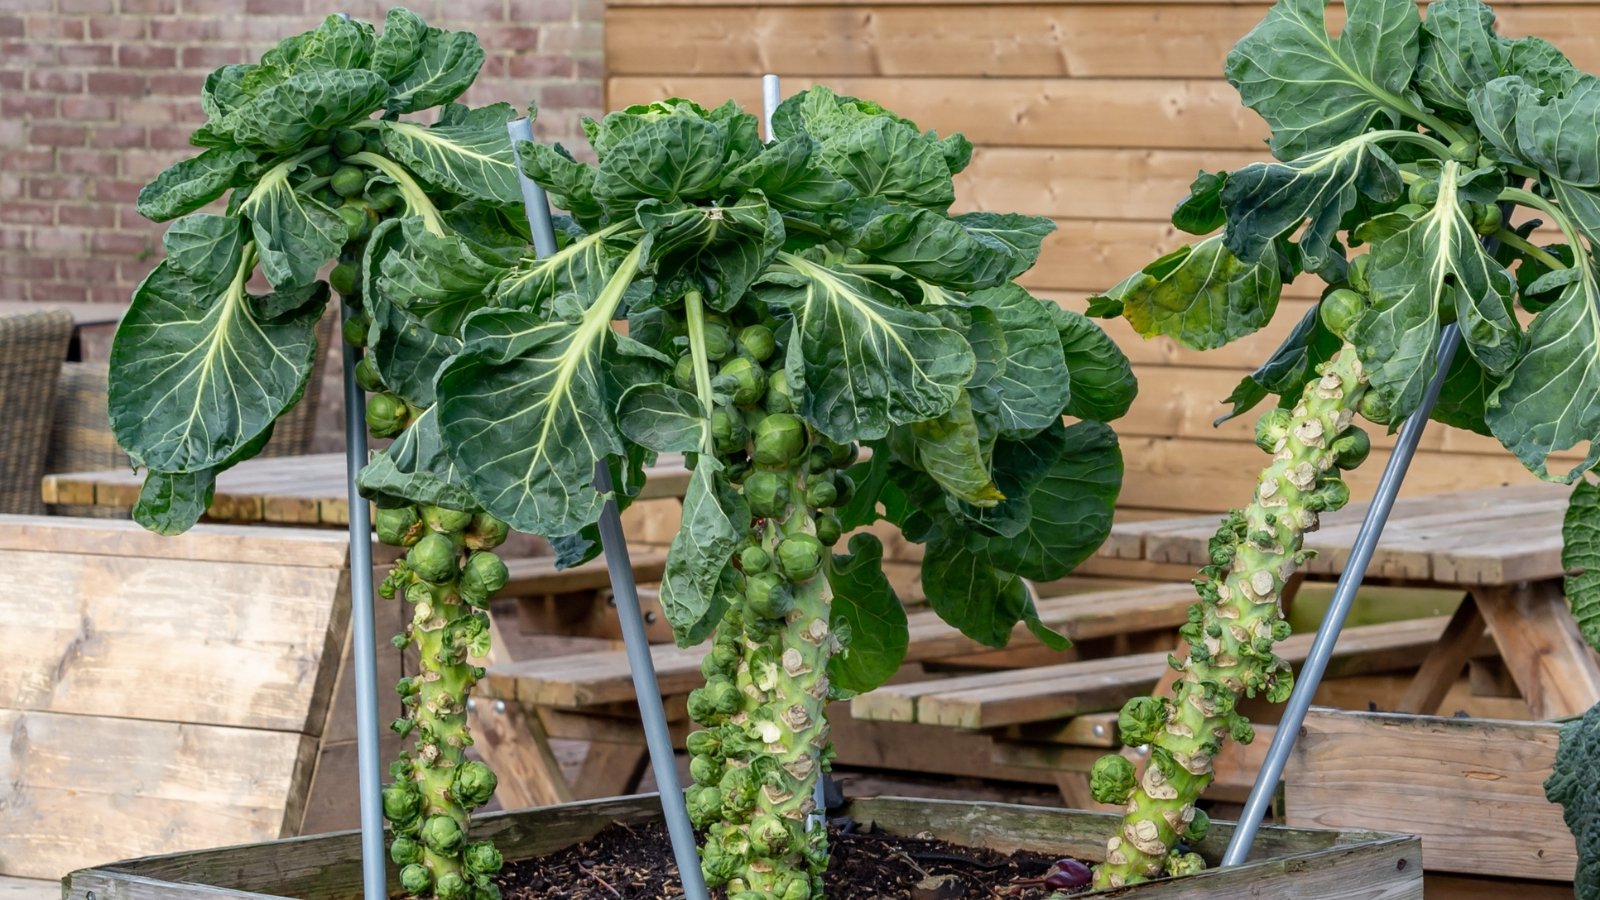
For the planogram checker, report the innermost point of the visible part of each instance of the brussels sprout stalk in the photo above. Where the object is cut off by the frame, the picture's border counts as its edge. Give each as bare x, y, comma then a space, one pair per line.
1232, 629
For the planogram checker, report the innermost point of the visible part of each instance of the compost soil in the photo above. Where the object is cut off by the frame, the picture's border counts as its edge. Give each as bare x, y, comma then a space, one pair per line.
634, 862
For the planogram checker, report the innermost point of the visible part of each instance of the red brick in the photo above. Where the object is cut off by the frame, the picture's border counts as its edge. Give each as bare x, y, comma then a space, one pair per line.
210, 57
570, 38
84, 108
539, 65
59, 239
11, 80
14, 238
209, 8
12, 132
32, 106
87, 217
120, 191
114, 136
146, 56
55, 187
539, 10
87, 268
177, 84
274, 8
125, 28
86, 7
120, 84
30, 54
149, 111
88, 55
57, 82
149, 7
27, 267
569, 95
111, 293
27, 213
510, 37
120, 243
88, 162
591, 68
54, 28
10, 26
473, 14
53, 135
32, 159
60, 292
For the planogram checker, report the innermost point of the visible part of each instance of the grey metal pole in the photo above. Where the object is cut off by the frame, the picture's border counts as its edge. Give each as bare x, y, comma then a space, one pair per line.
636, 643
363, 633
1310, 676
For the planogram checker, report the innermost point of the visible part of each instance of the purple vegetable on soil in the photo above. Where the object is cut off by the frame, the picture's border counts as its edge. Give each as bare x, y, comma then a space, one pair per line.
1067, 875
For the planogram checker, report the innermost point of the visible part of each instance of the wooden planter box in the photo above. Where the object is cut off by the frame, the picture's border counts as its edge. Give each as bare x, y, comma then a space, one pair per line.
1472, 789
1288, 862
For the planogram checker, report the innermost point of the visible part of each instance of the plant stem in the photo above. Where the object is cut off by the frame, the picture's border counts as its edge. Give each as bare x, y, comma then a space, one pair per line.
1512, 239
694, 310
417, 202
1530, 199
794, 224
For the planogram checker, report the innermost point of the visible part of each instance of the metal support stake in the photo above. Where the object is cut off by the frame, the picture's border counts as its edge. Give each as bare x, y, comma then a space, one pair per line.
363, 634
657, 737
1305, 686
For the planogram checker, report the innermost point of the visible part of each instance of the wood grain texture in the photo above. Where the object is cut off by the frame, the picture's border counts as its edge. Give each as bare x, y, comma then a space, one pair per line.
1471, 788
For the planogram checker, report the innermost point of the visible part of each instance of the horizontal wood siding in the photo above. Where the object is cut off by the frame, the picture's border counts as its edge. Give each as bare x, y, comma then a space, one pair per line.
1097, 115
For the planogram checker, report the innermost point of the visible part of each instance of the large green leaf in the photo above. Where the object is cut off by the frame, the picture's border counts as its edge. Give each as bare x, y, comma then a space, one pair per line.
436, 279
416, 469
186, 186
570, 183
1459, 50
444, 67
294, 233
545, 382
1549, 136
195, 375
662, 418
881, 157
716, 522
790, 173
1071, 503
1580, 556
1464, 396
1029, 392
950, 450
581, 269
859, 360
1550, 400
1201, 296
1316, 90
1265, 201
284, 117
867, 616
1571, 784
1022, 236
666, 158
395, 52
967, 591
470, 156
941, 250
406, 352
1101, 377
171, 502
718, 250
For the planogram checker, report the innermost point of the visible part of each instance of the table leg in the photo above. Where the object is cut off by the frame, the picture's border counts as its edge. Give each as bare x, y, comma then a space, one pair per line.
1532, 625
517, 747
1443, 664
610, 770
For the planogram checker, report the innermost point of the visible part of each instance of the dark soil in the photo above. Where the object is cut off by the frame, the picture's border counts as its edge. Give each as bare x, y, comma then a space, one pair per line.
635, 863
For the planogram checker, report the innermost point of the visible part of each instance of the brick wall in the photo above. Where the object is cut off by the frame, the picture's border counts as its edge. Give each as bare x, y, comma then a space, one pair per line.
97, 96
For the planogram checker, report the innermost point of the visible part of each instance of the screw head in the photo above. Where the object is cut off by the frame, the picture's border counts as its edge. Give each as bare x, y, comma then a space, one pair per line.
650, 617
500, 706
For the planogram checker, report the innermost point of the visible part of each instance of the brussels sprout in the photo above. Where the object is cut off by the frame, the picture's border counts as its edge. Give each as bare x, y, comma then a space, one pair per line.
442, 834
683, 372
416, 879
718, 698
367, 376
1351, 446
445, 520
451, 886
483, 858
405, 851
727, 431
397, 526
486, 571
348, 181
355, 225
705, 804
386, 415
705, 742
1374, 409
1423, 193
1487, 218
1341, 310
355, 328
1112, 779
757, 342
718, 342
767, 493
1332, 494
384, 198
1198, 826
769, 836
486, 532
780, 439
1272, 427
799, 556
474, 783
754, 560
347, 142
433, 559
829, 529
705, 769
1140, 719
324, 165
742, 380
844, 487
779, 400
1412, 210
1358, 273
821, 494
1180, 864
374, 142
401, 803
768, 596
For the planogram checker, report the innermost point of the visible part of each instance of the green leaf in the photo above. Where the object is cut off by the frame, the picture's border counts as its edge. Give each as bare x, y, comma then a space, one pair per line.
547, 383
859, 360
205, 247
1200, 212
666, 158
1265, 201
664, 419
406, 352
1550, 399
1571, 784
395, 52
881, 157
195, 376
1020, 235
1071, 503
171, 502
790, 173
570, 183
1459, 51
1101, 377
294, 233
934, 248
445, 66
284, 117
716, 522
1202, 296
1288, 369
416, 468
1435, 263
718, 250
1464, 396
865, 607
338, 43
966, 590
581, 269
1580, 556
436, 279
1316, 91
471, 157
186, 186
1029, 393
1549, 139
948, 448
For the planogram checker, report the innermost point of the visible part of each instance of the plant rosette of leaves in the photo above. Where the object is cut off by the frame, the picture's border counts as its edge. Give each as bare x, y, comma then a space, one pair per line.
319, 166
767, 310
1399, 146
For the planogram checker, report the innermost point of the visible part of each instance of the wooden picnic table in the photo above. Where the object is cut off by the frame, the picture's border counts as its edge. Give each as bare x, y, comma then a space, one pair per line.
291, 490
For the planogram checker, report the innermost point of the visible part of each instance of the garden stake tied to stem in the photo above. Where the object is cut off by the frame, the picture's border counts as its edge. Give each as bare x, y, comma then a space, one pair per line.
652, 715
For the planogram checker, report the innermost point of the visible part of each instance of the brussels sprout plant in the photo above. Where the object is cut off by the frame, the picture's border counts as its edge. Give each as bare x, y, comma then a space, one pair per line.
1398, 147
202, 366
767, 309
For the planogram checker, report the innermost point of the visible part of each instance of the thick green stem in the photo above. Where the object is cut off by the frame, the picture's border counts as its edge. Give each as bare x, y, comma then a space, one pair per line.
1232, 630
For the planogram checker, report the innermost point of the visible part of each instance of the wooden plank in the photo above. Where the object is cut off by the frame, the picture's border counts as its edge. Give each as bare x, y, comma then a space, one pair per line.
514, 744
12, 888
1554, 668
82, 790
610, 770
1468, 887
531, 577
234, 544
1471, 788
1442, 667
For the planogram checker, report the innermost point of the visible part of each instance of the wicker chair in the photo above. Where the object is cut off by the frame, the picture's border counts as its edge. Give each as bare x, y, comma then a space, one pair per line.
32, 347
